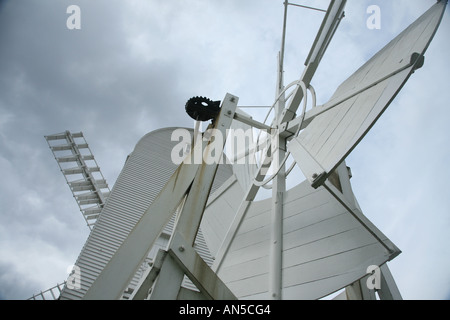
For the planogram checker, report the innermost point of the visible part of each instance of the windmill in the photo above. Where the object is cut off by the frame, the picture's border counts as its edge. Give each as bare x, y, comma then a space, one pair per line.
196, 231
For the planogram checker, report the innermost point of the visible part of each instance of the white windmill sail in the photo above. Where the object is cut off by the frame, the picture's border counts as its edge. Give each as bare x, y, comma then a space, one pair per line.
82, 173
340, 124
85, 180
324, 247
49, 294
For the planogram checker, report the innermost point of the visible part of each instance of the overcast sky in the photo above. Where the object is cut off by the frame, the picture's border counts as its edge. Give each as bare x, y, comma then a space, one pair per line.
134, 64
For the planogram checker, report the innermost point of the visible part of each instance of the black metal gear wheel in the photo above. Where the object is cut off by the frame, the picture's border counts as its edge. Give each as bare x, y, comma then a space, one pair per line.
202, 109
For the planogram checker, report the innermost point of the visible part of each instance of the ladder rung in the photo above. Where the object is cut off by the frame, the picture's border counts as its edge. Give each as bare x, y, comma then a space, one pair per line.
64, 135
58, 136
73, 171
87, 185
79, 170
88, 157
81, 183
64, 147
91, 217
61, 147
67, 159
77, 135
74, 158
87, 196
92, 211
89, 201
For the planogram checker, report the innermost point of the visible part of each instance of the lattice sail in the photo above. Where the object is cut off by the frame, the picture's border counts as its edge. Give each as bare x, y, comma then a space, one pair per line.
49, 294
81, 171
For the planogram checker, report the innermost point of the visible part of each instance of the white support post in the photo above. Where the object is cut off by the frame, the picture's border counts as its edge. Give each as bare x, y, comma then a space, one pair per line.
119, 271
326, 32
278, 148
145, 284
197, 270
388, 288
359, 291
231, 233
168, 282
276, 236
369, 226
192, 213
190, 218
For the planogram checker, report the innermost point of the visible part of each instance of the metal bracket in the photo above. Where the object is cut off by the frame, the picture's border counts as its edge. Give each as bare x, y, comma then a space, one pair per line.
319, 179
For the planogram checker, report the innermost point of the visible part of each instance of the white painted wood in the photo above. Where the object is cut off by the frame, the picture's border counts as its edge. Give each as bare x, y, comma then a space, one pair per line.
170, 273
148, 278
241, 213
359, 291
359, 102
396, 53
351, 208
389, 289
329, 25
118, 272
193, 209
219, 214
324, 247
197, 270
314, 280
80, 178
145, 173
197, 195
245, 169
223, 206
310, 167
341, 296
324, 36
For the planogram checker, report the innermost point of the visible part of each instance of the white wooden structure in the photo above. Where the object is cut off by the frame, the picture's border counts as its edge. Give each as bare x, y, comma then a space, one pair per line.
196, 232
145, 172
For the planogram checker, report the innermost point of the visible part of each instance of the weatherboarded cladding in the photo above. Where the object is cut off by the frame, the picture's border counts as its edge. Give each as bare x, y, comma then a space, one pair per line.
144, 174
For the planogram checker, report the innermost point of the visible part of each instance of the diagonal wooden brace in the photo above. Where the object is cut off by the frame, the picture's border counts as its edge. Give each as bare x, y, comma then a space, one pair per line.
198, 271
187, 179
